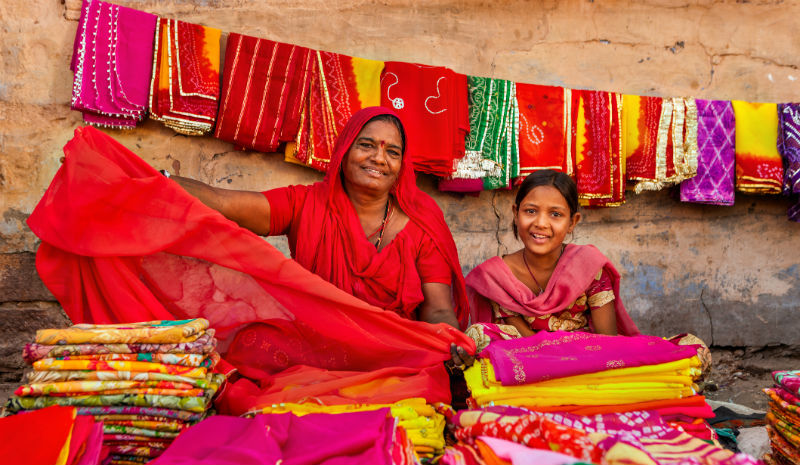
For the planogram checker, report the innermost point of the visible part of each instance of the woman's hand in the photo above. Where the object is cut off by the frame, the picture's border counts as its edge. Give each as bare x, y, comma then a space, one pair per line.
460, 358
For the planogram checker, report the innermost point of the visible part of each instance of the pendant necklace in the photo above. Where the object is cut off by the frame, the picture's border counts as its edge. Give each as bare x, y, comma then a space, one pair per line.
387, 215
525, 260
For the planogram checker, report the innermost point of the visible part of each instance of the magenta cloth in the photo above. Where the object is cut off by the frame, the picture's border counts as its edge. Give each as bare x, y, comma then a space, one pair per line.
518, 454
464, 186
716, 170
330, 439
551, 355
112, 62
93, 452
578, 266
789, 146
788, 380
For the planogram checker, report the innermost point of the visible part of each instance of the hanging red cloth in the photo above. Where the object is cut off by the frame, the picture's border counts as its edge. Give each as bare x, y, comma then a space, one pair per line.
543, 128
121, 243
433, 102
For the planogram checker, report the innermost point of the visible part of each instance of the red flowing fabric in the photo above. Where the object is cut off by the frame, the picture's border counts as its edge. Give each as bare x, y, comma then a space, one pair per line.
36, 438
331, 241
433, 102
264, 85
121, 243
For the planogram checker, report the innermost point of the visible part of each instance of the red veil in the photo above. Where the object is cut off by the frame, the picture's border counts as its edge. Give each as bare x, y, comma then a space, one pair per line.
330, 239
121, 243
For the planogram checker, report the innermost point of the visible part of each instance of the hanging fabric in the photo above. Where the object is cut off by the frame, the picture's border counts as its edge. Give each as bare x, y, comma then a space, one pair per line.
759, 168
263, 86
668, 155
184, 90
543, 128
432, 101
596, 147
339, 86
112, 61
716, 158
492, 147
789, 145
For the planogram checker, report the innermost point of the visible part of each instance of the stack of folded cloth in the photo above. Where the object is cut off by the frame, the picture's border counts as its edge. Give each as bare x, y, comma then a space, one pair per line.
53, 435
587, 374
524, 436
423, 425
783, 418
145, 381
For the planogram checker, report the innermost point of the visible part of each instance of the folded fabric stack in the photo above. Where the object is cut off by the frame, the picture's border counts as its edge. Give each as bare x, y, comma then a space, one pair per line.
783, 418
54, 435
586, 374
423, 425
371, 437
145, 381
523, 436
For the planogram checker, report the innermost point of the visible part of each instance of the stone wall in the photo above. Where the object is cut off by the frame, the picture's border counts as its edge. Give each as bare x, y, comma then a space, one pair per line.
728, 274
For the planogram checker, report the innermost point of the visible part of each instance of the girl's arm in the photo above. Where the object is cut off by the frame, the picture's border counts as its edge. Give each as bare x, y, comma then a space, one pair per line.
521, 325
604, 319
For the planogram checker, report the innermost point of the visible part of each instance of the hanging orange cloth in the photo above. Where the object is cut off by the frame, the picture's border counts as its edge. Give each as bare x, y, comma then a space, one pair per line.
759, 167
339, 86
543, 128
184, 90
596, 147
660, 140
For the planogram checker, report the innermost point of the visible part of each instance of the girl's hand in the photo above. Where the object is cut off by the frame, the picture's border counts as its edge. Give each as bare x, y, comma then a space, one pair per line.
459, 359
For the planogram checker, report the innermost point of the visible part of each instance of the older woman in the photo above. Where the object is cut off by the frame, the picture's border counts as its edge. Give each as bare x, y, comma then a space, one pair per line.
367, 227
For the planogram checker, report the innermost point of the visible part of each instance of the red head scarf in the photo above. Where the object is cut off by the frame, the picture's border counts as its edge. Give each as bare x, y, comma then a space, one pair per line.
329, 244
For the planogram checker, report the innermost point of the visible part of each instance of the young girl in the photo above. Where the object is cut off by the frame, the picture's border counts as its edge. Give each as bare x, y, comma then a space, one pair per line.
546, 285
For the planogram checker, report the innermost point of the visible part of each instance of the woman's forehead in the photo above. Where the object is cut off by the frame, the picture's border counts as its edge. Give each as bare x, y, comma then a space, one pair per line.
381, 131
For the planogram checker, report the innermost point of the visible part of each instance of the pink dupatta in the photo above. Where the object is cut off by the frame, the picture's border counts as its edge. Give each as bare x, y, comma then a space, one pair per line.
493, 281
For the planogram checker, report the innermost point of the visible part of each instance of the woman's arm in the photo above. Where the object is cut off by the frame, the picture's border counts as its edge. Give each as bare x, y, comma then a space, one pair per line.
522, 326
437, 308
604, 319
248, 209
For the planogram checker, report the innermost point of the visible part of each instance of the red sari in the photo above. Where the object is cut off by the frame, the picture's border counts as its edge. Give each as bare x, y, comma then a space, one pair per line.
121, 243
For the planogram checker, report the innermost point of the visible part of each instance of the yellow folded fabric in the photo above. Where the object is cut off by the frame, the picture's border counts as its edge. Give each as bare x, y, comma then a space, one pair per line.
147, 332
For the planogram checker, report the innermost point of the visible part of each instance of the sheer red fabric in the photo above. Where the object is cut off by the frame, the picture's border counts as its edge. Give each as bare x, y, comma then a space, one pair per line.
330, 240
121, 243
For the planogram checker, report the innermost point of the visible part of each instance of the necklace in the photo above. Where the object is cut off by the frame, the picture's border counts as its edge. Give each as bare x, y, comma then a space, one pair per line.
525, 260
387, 215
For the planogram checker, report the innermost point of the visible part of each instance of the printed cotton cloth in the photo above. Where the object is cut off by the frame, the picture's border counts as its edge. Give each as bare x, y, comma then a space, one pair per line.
112, 64
46, 364
204, 344
192, 404
184, 90
210, 381
716, 155
150, 332
788, 380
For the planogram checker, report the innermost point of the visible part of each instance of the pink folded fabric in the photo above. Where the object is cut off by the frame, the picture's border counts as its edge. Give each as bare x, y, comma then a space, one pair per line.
522, 455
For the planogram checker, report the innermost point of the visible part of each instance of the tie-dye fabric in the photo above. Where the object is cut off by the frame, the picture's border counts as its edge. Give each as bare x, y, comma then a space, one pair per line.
716, 158
204, 344
759, 168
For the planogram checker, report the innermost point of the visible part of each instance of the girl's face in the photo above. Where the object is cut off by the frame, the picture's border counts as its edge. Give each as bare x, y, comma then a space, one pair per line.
543, 220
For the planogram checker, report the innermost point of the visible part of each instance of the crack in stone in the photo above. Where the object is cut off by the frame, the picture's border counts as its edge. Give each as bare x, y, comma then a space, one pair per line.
708, 312
497, 229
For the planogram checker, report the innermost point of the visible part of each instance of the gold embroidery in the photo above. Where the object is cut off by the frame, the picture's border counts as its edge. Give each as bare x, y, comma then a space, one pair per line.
615, 364
593, 348
600, 299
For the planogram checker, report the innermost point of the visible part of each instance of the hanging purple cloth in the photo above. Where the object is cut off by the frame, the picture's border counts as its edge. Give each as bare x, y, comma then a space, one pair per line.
789, 146
112, 61
716, 167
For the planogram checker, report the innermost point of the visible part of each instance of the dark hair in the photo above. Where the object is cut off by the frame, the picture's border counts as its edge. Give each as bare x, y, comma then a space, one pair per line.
386, 117
561, 181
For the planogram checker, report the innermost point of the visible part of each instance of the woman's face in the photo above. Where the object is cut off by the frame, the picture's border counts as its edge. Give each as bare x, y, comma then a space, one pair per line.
543, 220
374, 160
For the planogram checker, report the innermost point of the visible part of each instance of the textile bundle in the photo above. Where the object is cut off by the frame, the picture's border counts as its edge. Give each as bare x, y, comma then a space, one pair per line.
158, 264
759, 168
184, 89
432, 102
783, 418
146, 382
111, 62
51, 436
422, 424
264, 85
596, 147
660, 140
315, 439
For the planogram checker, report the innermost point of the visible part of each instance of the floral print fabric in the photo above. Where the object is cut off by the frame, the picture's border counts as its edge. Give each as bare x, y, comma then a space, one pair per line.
150, 332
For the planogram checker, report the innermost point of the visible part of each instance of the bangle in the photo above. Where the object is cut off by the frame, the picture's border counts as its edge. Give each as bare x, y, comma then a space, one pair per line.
165, 173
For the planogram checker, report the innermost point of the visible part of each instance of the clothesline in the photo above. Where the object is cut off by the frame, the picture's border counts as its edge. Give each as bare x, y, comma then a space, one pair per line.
475, 133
